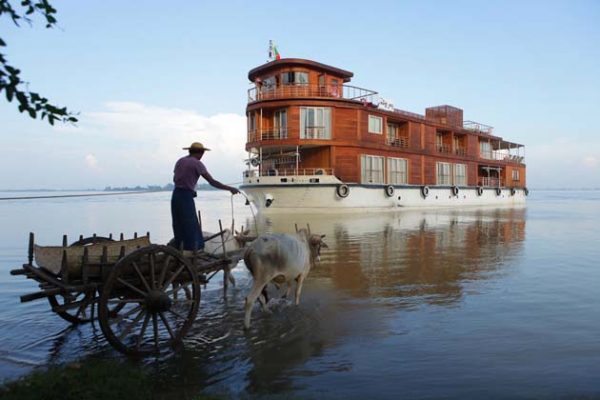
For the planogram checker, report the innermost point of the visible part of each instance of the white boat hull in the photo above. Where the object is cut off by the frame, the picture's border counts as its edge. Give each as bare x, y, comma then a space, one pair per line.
283, 198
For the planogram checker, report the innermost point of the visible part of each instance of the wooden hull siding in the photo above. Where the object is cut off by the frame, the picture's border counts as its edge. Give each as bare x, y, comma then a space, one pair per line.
439, 136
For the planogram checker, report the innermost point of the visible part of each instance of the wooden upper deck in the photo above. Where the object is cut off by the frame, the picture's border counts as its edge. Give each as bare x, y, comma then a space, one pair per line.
303, 106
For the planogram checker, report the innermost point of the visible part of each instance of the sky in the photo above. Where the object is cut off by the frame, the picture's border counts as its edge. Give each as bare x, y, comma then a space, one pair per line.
148, 78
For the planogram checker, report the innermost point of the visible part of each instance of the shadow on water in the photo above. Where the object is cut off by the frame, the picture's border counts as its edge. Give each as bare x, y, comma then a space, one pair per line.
377, 267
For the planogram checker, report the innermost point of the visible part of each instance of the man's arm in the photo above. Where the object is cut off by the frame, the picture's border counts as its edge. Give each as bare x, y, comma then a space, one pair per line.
215, 183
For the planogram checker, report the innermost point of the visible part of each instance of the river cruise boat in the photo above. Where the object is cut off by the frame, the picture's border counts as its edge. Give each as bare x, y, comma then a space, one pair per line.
316, 143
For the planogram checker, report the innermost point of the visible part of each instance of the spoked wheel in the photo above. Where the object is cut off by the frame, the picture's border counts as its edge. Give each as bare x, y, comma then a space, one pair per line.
158, 293
75, 308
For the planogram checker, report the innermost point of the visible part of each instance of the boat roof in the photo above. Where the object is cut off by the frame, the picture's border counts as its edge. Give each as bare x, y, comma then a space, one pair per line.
346, 75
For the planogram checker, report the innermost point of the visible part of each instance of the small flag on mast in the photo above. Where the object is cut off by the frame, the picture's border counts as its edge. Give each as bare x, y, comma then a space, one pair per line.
273, 52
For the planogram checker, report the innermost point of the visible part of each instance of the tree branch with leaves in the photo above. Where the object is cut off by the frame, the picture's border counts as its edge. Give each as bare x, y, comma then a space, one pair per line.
10, 80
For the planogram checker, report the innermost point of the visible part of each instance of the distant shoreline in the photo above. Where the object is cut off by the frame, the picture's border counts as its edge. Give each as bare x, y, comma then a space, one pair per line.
149, 188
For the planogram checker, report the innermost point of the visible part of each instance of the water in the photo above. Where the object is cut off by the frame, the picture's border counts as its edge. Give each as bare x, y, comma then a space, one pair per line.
473, 303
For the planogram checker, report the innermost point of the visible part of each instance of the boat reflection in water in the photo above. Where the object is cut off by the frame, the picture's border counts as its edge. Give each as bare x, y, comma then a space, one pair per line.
382, 277
428, 253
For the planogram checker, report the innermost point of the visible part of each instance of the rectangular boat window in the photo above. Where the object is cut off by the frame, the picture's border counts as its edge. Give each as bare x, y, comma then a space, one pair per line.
392, 132
280, 124
294, 78
397, 171
485, 150
268, 83
460, 174
443, 173
315, 123
515, 174
251, 121
335, 91
371, 169
375, 124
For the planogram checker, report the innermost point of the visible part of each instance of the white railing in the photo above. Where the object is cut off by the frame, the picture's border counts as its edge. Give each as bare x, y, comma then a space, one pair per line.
268, 134
501, 155
287, 172
491, 182
477, 127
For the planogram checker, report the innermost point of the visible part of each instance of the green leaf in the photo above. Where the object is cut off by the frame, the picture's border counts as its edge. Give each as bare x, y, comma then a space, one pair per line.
2, 43
32, 113
22, 98
9, 93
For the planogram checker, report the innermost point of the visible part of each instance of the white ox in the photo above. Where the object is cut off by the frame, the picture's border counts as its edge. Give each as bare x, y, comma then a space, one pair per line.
281, 258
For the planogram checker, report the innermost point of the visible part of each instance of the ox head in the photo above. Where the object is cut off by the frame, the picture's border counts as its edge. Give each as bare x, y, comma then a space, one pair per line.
316, 244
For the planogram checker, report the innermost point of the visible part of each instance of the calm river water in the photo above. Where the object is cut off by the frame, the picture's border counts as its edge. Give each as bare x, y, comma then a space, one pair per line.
472, 303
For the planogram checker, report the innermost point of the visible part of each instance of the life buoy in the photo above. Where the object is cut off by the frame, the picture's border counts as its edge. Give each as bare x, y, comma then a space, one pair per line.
342, 190
526, 191
479, 190
425, 191
389, 190
498, 191
455, 190
513, 191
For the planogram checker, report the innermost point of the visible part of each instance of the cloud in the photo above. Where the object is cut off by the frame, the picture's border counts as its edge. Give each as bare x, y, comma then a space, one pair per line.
563, 162
590, 162
91, 161
138, 144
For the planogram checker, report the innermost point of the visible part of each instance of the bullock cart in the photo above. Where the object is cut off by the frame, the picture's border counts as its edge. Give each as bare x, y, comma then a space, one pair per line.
145, 296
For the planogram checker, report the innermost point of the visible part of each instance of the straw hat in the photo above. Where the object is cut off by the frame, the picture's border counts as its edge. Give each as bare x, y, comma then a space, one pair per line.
196, 146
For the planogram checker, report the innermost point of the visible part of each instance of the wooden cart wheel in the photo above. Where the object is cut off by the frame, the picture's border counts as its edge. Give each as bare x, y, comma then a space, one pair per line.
159, 292
75, 308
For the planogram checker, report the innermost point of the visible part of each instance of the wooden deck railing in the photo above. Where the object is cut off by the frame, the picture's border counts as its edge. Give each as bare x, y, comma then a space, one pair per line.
398, 142
307, 90
444, 149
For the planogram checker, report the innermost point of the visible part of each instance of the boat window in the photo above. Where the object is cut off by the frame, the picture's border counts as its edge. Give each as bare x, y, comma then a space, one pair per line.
371, 169
485, 150
251, 121
443, 173
269, 83
294, 78
315, 123
515, 174
375, 124
397, 171
460, 174
280, 124
335, 91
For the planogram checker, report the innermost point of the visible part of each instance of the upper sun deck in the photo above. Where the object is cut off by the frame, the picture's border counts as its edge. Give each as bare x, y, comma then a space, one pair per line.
295, 78
299, 78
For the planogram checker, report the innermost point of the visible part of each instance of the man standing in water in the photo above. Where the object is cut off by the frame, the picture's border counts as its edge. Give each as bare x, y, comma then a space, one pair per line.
188, 170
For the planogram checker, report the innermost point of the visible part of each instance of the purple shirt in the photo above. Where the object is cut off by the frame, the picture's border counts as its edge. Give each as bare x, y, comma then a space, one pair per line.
187, 172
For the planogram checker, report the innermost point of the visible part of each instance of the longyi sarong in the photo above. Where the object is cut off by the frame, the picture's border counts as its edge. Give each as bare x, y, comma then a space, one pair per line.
185, 220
